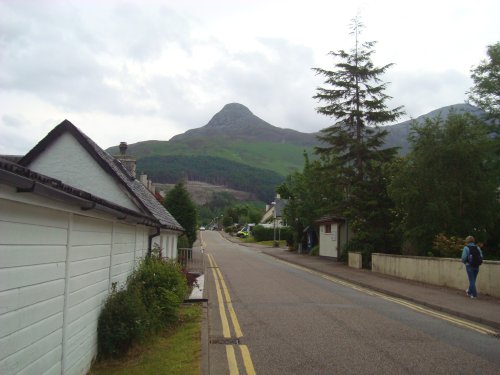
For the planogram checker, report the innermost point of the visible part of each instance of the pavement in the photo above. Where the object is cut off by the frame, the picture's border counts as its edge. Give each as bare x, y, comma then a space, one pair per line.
484, 310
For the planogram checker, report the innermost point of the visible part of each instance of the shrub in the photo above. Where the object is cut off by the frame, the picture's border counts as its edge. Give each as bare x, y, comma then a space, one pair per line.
183, 242
232, 229
151, 302
261, 233
448, 247
366, 250
314, 251
123, 321
163, 288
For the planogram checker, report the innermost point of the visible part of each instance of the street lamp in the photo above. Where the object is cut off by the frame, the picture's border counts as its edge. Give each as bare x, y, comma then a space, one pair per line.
275, 244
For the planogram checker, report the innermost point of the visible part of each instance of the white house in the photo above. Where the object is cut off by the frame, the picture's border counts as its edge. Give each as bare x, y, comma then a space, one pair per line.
274, 212
73, 223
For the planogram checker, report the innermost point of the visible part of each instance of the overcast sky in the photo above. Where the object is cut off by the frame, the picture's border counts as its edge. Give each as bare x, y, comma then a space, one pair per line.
140, 70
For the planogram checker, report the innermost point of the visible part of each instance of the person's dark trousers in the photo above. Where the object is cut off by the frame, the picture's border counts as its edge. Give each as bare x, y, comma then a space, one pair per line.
472, 275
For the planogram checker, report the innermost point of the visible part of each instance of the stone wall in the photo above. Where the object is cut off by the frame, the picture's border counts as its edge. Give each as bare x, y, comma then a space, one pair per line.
438, 271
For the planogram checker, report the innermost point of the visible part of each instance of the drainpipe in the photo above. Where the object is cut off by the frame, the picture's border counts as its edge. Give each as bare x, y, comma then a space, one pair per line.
150, 240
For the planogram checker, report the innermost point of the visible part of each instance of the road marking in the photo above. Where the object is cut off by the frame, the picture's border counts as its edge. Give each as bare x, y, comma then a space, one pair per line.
247, 360
231, 360
449, 318
400, 301
225, 324
245, 353
232, 313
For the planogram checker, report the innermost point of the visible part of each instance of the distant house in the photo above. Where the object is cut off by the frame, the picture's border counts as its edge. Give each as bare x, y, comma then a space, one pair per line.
333, 235
274, 212
73, 224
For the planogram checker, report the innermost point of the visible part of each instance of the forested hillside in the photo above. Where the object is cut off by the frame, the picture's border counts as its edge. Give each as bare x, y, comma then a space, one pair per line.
217, 171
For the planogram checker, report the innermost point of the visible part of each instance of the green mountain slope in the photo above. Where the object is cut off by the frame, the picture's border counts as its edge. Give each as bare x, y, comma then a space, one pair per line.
277, 157
237, 135
239, 150
216, 171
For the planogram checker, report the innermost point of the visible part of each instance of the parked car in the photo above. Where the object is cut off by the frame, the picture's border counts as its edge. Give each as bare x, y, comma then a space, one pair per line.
245, 231
202, 228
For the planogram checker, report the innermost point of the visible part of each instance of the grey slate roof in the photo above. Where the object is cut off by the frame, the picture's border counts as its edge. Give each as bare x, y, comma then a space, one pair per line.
280, 206
330, 219
142, 197
26, 180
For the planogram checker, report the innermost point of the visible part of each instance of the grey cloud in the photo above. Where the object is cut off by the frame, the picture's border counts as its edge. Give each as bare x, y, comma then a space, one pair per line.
269, 82
423, 91
60, 53
15, 137
13, 122
277, 84
143, 32
176, 100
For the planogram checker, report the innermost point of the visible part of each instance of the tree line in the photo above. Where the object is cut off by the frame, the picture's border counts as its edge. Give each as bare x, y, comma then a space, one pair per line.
446, 187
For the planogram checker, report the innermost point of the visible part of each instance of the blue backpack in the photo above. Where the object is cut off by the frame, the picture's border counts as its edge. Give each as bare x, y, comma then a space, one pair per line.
475, 259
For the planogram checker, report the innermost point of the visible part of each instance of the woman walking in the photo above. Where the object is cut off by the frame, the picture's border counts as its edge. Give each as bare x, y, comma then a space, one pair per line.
472, 257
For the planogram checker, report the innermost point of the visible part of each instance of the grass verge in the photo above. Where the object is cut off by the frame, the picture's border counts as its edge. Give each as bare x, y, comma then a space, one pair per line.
282, 243
176, 351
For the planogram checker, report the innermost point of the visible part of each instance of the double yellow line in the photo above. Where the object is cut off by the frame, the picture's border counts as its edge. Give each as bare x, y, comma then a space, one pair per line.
223, 293
460, 322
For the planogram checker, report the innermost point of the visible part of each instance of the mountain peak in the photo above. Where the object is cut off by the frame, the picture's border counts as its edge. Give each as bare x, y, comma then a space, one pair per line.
232, 114
235, 107
237, 122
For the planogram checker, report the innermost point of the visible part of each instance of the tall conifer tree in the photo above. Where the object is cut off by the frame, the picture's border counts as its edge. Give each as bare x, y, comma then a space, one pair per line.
178, 202
354, 96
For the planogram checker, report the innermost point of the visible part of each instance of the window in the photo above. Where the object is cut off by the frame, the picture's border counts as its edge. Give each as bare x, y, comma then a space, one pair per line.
328, 228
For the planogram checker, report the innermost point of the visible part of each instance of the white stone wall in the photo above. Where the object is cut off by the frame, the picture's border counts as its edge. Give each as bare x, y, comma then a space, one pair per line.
355, 260
56, 270
448, 272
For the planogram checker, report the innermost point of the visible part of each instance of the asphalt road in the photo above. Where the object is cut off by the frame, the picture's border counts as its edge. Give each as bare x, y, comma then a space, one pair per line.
269, 317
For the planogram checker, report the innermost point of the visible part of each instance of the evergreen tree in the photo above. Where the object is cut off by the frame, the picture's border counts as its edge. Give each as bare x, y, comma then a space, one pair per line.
352, 147
179, 204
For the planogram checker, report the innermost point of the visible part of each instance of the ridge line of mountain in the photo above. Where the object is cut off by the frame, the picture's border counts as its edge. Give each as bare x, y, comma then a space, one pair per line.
236, 143
236, 122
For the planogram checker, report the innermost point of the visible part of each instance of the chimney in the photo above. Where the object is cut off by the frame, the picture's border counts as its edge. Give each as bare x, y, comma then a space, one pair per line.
128, 161
123, 148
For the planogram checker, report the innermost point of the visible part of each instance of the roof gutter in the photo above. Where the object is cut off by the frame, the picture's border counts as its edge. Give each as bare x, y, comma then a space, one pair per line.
25, 184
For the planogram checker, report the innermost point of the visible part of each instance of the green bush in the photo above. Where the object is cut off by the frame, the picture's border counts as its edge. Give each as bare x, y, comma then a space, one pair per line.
314, 251
150, 303
183, 242
261, 233
362, 247
448, 247
123, 321
232, 229
163, 288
